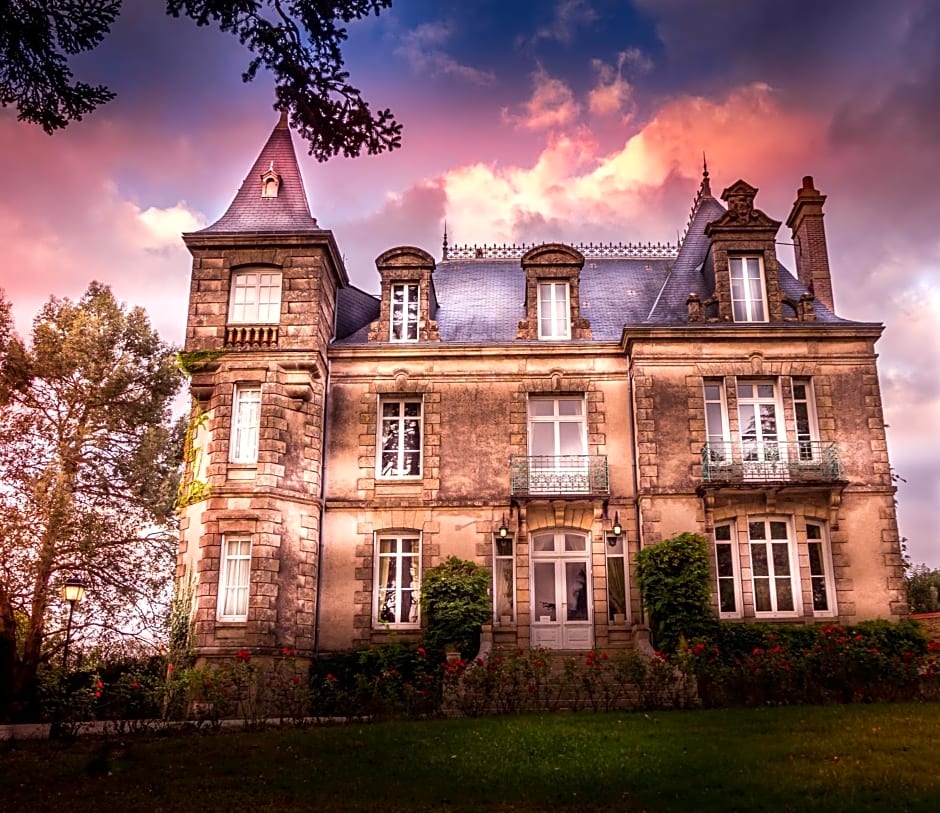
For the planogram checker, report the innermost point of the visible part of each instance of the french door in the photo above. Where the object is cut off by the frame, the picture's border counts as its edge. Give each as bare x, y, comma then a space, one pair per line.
562, 612
763, 454
557, 445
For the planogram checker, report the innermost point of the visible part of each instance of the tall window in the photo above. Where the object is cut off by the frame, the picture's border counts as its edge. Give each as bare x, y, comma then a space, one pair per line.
397, 579
554, 311
246, 421
616, 578
758, 418
805, 417
404, 316
504, 578
772, 567
256, 298
716, 421
557, 445
820, 570
233, 579
726, 568
400, 437
748, 298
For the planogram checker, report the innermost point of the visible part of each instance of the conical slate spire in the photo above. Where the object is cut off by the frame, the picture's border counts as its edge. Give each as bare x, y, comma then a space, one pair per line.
271, 197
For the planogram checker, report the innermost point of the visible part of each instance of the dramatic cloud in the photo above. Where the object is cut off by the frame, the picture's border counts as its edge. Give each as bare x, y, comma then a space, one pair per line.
422, 49
569, 16
551, 106
613, 94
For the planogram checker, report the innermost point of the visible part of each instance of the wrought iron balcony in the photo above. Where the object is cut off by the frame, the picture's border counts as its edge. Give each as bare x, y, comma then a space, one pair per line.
765, 462
559, 475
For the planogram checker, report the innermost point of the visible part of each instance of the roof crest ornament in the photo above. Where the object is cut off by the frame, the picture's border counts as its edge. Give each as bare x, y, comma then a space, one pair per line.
444, 252
595, 251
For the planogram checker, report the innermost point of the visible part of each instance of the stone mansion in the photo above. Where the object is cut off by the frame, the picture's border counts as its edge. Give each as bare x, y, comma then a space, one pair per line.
545, 411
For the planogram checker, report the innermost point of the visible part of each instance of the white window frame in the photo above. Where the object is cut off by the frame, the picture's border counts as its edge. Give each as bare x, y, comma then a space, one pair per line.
234, 578
735, 578
772, 577
389, 565
399, 470
547, 475
720, 435
748, 291
810, 433
504, 564
255, 298
762, 456
615, 555
825, 560
246, 423
404, 312
554, 310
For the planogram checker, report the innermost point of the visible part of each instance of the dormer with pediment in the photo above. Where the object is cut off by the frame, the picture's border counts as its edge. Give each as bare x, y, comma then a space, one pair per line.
744, 257
552, 294
408, 303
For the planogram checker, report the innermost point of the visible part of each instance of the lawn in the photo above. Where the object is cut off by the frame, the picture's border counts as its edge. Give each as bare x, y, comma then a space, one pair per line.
832, 758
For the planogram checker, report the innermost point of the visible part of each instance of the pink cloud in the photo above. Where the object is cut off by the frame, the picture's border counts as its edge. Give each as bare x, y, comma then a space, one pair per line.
551, 106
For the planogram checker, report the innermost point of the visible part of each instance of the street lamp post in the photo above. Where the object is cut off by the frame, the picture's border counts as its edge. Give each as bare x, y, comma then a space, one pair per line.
72, 591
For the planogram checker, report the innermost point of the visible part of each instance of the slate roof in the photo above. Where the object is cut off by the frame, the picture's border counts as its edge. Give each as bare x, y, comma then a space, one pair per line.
482, 300
354, 309
289, 211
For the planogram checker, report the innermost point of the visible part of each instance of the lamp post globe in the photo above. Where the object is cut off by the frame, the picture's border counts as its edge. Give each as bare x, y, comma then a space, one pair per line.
73, 591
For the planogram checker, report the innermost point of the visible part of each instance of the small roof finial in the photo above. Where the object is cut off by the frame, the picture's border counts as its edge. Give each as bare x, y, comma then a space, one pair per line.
444, 249
706, 188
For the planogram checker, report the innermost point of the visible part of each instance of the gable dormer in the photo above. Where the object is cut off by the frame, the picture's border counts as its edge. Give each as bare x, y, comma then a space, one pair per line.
270, 182
408, 302
747, 285
552, 294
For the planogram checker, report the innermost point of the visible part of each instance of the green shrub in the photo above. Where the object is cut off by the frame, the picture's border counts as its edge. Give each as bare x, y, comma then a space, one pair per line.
455, 602
387, 681
760, 664
675, 583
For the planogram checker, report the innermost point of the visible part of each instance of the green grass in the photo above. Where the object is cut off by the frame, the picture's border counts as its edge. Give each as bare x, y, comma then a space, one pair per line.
832, 758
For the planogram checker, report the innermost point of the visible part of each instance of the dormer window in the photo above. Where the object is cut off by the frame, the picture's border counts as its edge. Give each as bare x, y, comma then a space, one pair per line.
554, 311
270, 183
256, 298
748, 291
404, 312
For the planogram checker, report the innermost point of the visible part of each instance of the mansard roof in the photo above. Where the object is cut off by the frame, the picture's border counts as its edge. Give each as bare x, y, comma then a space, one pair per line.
481, 291
285, 211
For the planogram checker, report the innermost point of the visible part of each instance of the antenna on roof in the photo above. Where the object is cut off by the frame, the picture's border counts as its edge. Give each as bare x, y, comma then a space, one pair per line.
444, 248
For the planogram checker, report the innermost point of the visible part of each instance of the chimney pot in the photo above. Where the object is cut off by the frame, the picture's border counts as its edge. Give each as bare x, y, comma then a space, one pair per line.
808, 182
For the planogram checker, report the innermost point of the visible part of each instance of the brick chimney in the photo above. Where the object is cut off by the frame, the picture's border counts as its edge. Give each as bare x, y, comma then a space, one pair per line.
809, 238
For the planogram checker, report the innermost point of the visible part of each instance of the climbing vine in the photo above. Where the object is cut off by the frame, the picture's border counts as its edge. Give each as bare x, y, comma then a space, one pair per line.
192, 489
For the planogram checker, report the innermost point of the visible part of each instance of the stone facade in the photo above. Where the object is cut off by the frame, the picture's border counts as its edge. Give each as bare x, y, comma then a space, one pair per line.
545, 415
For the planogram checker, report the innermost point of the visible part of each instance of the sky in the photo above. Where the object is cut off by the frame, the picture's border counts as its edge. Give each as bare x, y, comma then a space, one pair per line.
526, 121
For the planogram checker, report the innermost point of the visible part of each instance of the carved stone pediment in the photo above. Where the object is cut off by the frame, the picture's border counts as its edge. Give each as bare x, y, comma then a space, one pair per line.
741, 214
556, 254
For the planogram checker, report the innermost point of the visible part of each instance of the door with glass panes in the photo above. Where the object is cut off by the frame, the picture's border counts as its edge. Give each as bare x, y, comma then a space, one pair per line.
557, 445
562, 615
763, 452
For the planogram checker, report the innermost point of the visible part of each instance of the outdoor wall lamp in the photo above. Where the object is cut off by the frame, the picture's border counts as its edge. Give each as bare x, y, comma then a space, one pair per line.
503, 528
73, 591
618, 528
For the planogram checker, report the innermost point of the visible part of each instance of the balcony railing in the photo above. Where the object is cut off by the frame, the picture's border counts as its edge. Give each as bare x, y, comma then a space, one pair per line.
251, 337
765, 462
559, 475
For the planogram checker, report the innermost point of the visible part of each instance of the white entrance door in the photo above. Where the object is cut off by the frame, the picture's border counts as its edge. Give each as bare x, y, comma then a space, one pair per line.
562, 615
762, 453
